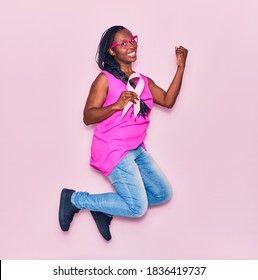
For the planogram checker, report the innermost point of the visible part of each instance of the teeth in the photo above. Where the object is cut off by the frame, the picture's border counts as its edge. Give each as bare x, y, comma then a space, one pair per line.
131, 54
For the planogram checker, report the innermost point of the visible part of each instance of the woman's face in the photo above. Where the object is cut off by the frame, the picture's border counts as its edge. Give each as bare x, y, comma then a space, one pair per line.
126, 51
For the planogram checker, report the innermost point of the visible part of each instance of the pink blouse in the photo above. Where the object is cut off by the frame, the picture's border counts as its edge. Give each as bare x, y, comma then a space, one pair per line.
114, 137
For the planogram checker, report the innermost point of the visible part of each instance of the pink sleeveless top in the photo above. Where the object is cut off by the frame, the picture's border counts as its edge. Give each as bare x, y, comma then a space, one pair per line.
114, 136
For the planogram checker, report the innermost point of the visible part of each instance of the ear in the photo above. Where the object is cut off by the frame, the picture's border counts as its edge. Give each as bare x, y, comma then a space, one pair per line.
111, 51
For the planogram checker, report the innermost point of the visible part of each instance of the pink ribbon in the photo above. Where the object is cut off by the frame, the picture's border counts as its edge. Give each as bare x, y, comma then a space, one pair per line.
138, 90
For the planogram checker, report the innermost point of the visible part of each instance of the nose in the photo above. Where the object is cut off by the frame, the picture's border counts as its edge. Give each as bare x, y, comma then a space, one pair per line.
132, 46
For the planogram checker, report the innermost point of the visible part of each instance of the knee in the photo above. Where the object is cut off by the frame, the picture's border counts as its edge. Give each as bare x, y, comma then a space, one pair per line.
168, 194
163, 197
139, 209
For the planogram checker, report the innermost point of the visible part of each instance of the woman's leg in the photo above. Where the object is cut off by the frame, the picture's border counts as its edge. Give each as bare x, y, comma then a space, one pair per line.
157, 186
130, 199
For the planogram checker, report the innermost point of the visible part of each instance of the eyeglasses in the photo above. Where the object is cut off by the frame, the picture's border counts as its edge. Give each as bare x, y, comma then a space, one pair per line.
124, 44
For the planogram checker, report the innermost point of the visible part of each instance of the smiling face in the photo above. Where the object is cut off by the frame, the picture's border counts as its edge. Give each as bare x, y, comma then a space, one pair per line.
124, 54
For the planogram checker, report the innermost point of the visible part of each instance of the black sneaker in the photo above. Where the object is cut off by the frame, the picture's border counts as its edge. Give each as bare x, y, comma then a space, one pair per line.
66, 209
102, 221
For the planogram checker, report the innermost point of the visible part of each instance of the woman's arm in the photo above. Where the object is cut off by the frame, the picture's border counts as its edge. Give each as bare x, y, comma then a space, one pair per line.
93, 111
168, 99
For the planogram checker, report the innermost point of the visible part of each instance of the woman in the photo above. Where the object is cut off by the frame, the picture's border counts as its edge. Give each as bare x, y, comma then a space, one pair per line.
119, 102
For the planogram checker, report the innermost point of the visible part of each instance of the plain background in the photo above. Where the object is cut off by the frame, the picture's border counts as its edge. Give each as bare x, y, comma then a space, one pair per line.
207, 144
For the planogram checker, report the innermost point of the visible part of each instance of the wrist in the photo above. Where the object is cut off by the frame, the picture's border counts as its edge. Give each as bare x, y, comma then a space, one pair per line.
115, 108
180, 68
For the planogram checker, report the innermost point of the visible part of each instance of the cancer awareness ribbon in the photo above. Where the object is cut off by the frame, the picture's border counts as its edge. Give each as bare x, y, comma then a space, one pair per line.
138, 90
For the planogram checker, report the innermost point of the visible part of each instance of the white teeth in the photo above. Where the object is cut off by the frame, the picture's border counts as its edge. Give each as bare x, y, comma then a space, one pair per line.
131, 54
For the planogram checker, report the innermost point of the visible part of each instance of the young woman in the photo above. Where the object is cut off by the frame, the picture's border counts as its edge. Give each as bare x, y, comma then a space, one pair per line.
119, 102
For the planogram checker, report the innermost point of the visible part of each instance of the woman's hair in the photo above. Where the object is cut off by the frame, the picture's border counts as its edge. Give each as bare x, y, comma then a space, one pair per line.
104, 59
107, 62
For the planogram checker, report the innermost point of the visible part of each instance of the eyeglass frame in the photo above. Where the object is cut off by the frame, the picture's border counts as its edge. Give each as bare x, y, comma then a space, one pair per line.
135, 38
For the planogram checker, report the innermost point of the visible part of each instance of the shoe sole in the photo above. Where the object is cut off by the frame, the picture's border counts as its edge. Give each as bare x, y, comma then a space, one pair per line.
106, 235
61, 209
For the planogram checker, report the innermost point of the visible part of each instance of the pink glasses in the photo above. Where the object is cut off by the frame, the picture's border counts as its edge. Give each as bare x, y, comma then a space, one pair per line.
124, 44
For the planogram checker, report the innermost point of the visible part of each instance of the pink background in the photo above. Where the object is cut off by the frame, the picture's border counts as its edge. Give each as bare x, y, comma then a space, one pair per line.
207, 144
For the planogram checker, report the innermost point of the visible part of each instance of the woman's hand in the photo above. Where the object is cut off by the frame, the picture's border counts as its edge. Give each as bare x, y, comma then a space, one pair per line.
125, 97
181, 55
168, 98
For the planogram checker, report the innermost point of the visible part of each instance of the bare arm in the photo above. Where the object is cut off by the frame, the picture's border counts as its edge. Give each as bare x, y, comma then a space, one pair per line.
93, 111
168, 98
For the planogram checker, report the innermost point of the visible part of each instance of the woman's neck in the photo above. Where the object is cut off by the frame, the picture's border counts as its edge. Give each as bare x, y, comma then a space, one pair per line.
127, 69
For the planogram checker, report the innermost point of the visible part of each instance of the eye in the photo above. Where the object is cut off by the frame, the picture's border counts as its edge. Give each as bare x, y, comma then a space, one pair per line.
123, 44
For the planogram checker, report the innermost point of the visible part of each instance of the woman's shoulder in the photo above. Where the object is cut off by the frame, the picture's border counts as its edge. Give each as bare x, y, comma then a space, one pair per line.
101, 80
107, 75
105, 79
148, 79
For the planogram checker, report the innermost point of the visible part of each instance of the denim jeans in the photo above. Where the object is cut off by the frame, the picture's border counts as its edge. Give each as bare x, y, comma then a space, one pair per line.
138, 182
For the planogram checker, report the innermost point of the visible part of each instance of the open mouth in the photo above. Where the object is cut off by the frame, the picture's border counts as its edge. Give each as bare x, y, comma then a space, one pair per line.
132, 54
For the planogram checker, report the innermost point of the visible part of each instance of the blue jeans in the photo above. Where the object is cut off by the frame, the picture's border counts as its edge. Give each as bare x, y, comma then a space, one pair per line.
138, 182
